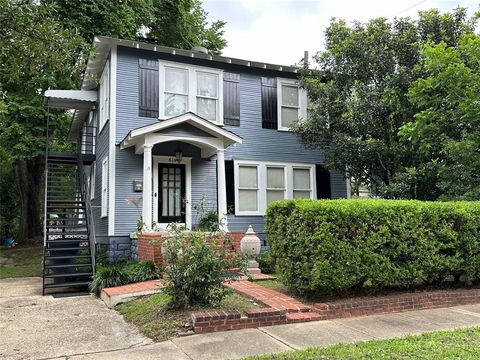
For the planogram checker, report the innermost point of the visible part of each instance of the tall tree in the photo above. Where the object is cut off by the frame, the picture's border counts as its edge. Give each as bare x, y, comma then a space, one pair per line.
36, 54
359, 95
183, 24
176, 23
121, 19
445, 131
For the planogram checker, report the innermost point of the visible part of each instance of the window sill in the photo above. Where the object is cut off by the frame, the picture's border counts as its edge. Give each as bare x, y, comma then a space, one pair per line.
248, 214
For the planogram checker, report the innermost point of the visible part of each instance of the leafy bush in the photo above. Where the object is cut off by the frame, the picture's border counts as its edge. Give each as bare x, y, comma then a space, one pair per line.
208, 221
336, 246
116, 274
266, 262
197, 264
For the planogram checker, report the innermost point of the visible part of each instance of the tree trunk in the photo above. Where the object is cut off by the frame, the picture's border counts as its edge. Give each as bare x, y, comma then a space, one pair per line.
29, 180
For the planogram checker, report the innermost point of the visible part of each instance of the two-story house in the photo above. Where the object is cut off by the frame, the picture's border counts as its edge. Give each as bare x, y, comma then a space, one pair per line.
168, 127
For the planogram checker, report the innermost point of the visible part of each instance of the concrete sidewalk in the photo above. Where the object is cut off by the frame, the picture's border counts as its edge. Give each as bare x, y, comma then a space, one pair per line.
36, 327
241, 343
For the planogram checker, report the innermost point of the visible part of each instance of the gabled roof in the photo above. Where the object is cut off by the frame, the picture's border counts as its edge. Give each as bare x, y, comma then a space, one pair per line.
137, 136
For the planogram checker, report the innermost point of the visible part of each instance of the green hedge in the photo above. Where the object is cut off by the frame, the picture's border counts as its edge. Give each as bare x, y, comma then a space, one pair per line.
334, 246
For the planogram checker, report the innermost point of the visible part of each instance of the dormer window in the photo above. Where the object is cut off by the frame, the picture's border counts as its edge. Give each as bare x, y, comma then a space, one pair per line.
190, 88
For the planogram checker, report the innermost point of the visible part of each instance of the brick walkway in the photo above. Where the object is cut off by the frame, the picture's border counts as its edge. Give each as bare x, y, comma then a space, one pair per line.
139, 287
268, 297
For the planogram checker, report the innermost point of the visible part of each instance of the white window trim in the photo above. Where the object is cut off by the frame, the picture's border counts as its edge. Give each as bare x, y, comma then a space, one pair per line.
104, 195
192, 88
302, 101
93, 175
104, 97
262, 182
187, 161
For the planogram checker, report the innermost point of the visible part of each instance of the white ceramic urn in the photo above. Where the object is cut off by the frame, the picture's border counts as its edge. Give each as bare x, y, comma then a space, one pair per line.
250, 243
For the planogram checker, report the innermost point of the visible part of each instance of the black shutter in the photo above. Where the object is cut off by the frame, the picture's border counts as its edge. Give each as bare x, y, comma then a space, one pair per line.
148, 88
230, 181
324, 190
231, 99
269, 103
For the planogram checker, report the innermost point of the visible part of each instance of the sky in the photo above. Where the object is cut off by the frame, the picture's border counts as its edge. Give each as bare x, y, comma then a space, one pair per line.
279, 31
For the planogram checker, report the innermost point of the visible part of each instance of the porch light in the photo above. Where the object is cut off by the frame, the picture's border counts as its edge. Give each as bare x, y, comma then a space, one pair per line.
178, 156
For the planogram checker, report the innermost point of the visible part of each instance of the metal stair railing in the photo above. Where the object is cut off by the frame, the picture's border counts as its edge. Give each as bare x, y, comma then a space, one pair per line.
85, 194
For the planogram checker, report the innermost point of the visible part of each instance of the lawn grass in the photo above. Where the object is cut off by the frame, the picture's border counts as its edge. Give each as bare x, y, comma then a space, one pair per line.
156, 321
20, 261
461, 344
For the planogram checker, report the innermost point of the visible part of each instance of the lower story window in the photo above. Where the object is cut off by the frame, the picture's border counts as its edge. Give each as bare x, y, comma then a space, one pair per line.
257, 184
248, 188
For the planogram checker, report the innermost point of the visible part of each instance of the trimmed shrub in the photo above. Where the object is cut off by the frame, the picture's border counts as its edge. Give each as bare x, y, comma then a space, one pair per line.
266, 262
116, 274
334, 246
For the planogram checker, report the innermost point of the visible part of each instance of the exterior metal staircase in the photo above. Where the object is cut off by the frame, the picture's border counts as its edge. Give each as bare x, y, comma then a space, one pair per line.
69, 238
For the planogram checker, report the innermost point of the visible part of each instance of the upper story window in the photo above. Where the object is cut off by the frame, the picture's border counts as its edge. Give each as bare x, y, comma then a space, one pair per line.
104, 97
292, 103
190, 88
283, 103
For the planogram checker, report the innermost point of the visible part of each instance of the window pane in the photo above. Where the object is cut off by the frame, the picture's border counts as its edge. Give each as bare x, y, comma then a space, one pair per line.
301, 194
301, 179
176, 80
247, 200
207, 108
207, 84
289, 95
248, 176
289, 116
274, 195
275, 178
175, 104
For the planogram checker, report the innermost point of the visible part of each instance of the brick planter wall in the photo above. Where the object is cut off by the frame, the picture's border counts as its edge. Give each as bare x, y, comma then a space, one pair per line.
396, 303
210, 321
149, 247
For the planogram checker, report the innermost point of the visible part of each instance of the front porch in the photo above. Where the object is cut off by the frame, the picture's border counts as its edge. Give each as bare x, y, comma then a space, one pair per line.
178, 156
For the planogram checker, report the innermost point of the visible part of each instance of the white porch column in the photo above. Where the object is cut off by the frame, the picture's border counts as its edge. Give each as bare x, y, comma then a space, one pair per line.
147, 186
221, 190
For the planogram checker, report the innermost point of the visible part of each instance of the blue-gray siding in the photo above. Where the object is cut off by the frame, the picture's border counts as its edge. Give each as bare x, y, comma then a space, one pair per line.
130, 167
258, 144
101, 224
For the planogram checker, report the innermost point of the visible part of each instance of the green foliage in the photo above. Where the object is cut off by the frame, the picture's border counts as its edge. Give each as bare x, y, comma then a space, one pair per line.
445, 132
208, 222
360, 98
341, 245
175, 23
207, 218
197, 264
116, 274
119, 19
455, 344
183, 24
266, 262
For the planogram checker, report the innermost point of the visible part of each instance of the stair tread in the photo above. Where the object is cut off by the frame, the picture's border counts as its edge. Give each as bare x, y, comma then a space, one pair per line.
46, 266
68, 248
65, 257
67, 284
68, 274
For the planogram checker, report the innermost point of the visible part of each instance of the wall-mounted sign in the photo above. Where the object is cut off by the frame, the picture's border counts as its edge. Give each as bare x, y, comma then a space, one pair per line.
137, 185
